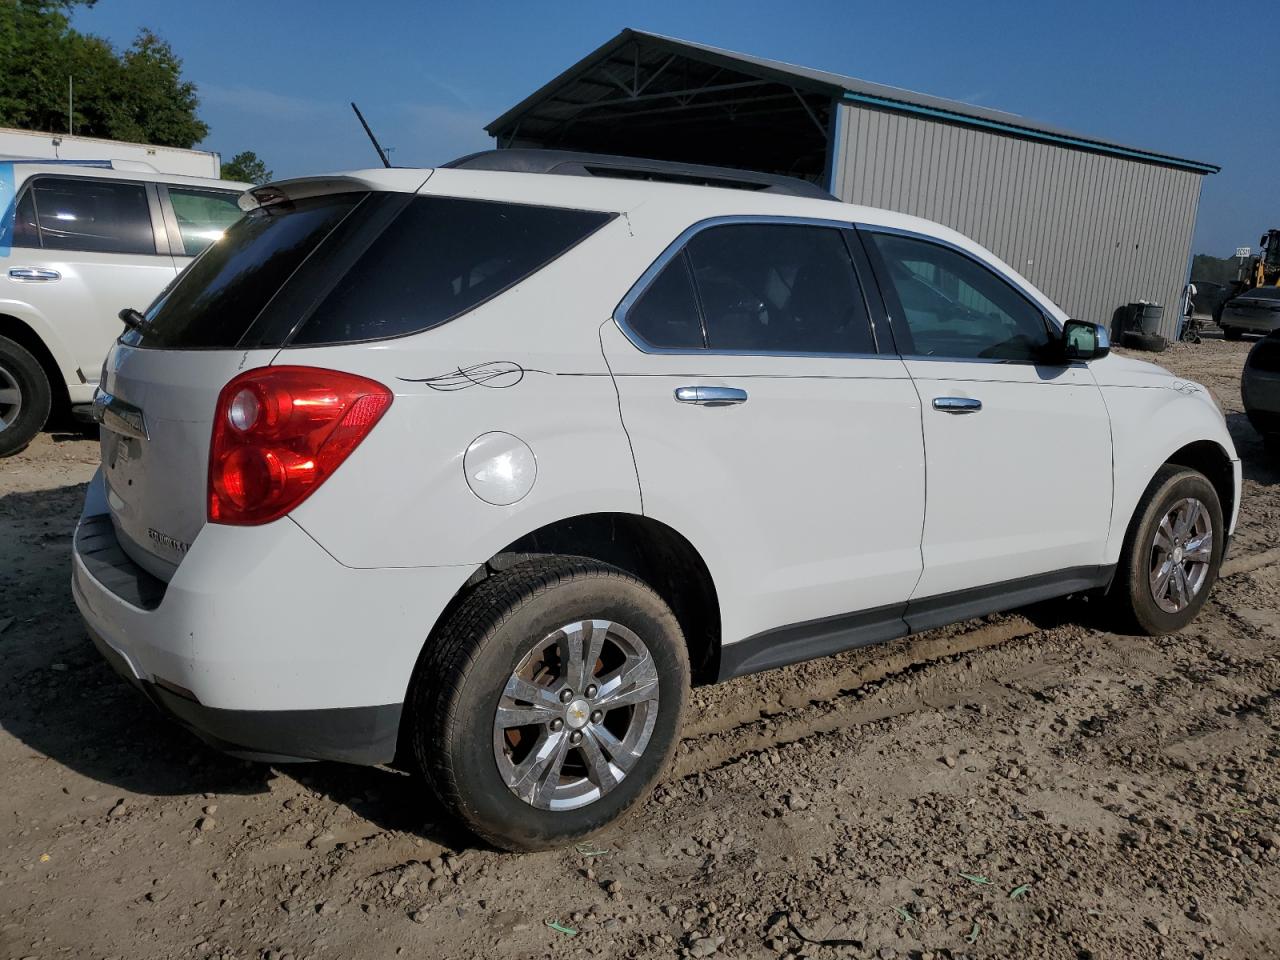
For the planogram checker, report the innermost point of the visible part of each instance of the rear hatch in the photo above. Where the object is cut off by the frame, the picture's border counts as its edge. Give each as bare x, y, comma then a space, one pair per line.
223, 315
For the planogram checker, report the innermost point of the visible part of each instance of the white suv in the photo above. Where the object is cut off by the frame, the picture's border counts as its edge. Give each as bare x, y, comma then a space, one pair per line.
482, 469
80, 241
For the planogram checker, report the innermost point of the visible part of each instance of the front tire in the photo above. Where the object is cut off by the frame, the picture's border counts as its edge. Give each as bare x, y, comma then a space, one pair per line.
1232, 333
1172, 553
25, 397
549, 702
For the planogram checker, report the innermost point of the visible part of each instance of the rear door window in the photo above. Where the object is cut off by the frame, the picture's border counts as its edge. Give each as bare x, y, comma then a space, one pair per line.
666, 315
215, 300
203, 215
779, 288
438, 259
92, 216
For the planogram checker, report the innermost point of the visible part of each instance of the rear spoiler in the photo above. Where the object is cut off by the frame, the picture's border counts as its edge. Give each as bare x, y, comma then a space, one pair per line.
285, 191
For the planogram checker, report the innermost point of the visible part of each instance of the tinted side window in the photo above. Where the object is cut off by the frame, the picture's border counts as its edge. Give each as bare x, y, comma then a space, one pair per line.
203, 215
440, 258
666, 315
97, 216
953, 306
216, 299
779, 288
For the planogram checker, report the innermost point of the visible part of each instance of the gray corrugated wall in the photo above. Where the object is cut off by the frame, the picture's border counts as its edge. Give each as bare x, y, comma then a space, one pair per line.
1092, 231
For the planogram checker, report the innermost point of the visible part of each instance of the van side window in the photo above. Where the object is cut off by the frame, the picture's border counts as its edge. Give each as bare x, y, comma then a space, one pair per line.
94, 216
779, 288
952, 306
203, 215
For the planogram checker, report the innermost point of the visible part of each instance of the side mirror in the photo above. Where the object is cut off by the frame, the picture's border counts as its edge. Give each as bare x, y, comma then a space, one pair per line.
1085, 341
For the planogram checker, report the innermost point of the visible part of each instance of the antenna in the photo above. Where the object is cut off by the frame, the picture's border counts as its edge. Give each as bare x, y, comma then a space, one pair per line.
382, 154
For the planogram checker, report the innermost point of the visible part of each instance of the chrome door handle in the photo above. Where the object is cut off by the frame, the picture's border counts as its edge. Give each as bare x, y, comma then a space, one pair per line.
957, 404
33, 273
711, 396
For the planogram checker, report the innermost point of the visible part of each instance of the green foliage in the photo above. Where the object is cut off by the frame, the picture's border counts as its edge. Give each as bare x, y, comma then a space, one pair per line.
246, 167
137, 95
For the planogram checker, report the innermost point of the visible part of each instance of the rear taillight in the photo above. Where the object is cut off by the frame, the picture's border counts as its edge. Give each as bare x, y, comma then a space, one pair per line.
278, 432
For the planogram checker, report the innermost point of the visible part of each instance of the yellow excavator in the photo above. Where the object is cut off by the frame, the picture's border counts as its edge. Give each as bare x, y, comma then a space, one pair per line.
1264, 269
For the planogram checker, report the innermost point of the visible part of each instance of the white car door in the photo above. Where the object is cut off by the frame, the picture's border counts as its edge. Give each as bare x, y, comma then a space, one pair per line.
767, 429
84, 248
1017, 443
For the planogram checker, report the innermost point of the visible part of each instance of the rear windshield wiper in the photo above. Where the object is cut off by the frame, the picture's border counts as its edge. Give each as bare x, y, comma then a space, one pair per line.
131, 318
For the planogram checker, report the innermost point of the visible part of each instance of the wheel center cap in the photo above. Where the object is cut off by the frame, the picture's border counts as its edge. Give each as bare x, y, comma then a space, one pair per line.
1177, 554
577, 714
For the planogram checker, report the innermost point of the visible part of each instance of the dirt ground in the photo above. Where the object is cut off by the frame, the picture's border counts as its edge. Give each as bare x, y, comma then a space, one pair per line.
1024, 786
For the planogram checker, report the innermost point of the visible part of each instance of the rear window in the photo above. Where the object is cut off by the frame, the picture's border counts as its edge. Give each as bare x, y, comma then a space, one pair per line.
440, 258
339, 268
216, 299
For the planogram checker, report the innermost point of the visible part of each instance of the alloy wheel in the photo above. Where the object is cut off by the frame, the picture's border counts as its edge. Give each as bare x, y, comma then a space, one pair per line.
10, 398
1180, 555
576, 715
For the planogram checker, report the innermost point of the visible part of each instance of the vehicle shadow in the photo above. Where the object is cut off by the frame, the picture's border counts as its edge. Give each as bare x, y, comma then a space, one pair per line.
61, 701
1258, 462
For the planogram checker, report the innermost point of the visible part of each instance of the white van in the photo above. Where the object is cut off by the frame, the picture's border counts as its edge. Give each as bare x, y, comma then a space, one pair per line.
79, 242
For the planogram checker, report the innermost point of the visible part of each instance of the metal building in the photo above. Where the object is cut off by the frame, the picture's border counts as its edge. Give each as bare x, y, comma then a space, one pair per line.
1095, 224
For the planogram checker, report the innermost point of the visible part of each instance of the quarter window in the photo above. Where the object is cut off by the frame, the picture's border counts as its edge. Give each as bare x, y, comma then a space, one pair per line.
96, 216
952, 306
203, 215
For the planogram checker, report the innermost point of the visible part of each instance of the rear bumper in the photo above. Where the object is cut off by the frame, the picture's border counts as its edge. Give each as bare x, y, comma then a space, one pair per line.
364, 735
262, 643
1253, 322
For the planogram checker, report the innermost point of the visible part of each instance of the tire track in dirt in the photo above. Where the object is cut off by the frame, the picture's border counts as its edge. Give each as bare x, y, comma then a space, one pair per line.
850, 696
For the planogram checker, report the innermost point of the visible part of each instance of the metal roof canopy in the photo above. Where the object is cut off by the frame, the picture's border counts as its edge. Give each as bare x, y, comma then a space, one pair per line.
647, 95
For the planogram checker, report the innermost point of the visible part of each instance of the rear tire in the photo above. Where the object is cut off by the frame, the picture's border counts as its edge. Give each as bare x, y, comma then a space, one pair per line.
25, 397
1232, 333
1139, 602
515, 635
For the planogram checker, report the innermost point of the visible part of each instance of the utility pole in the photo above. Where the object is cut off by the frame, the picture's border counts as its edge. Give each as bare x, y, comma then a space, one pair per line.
71, 99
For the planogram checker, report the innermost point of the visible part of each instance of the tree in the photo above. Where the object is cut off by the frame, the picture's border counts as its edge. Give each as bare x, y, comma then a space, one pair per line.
246, 167
135, 95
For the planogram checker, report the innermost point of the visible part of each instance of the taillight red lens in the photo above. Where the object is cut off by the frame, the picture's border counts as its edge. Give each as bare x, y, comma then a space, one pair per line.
279, 432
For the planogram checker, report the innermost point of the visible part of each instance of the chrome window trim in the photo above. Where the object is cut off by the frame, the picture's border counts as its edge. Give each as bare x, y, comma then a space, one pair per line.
1017, 288
677, 246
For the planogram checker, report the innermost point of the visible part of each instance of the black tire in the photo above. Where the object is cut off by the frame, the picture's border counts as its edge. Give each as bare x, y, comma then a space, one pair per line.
1232, 333
22, 372
1133, 601
461, 675
1151, 342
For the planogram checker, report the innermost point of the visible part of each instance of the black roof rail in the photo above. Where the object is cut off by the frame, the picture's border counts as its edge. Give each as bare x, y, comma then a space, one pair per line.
573, 164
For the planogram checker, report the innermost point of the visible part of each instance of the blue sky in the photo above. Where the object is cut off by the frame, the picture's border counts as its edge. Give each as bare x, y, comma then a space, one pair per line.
275, 77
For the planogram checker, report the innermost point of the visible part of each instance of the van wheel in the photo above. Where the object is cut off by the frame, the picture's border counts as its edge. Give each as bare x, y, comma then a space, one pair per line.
1171, 554
550, 701
1232, 333
25, 397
